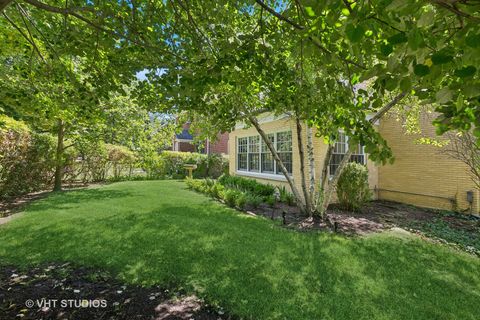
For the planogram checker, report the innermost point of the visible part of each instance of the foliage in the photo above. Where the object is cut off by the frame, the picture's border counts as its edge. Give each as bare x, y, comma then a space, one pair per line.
241, 200
161, 221
253, 200
286, 197
247, 185
172, 164
463, 146
353, 190
230, 196
26, 159
121, 159
93, 164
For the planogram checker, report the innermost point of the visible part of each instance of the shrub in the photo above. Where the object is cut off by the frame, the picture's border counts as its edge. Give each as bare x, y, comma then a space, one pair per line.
247, 185
253, 200
270, 200
241, 200
217, 190
26, 159
230, 196
352, 187
171, 163
286, 197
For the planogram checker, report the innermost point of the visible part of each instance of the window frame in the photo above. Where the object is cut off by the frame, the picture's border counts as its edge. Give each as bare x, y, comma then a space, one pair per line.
263, 149
346, 147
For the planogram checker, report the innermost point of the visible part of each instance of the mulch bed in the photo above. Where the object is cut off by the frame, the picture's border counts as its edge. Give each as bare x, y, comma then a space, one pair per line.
376, 216
83, 293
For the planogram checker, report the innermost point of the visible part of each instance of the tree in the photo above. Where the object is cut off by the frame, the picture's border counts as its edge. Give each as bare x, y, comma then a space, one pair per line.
464, 147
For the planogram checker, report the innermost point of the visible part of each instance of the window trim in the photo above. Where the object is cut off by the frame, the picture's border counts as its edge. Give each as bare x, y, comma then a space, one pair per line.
347, 146
259, 174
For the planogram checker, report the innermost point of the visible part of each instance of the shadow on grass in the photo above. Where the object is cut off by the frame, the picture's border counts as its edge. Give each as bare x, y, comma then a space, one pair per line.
69, 199
250, 267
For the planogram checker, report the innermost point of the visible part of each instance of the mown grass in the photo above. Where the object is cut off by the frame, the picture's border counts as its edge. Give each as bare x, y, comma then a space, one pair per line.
158, 232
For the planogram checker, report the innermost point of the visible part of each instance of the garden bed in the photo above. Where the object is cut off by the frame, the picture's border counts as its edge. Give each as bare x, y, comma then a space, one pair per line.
247, 195
82, 293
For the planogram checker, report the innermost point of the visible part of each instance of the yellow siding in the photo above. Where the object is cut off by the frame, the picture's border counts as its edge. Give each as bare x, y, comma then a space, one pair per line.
420, 175
320, 149
424, 175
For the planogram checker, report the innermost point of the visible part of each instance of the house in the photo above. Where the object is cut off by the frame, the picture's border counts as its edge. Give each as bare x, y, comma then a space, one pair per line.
184, 141
420, 175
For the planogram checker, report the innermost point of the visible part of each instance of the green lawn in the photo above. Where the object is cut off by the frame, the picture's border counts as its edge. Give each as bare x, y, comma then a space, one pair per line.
157, 232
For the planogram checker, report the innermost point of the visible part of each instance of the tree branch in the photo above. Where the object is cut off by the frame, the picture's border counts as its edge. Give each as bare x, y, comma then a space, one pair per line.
24, 35
73, 12
279, 161
312, 39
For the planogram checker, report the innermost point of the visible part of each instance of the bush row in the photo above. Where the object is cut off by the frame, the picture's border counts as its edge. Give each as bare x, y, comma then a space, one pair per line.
171, 164
27, 161
236, 194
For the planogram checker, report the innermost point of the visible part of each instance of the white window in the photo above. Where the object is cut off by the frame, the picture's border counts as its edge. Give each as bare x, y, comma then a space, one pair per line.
242, 162
268, 164
339, 150
253, 154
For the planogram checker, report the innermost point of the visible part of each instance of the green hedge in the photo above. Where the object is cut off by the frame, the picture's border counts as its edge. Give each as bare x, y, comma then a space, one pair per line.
247, 185
172, 163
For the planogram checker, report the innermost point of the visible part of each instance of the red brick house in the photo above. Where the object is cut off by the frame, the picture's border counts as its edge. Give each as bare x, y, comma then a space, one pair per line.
183, 141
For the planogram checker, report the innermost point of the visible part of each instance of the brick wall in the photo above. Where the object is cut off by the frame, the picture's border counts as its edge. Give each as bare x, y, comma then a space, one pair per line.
421, 174
220, 145
320, 149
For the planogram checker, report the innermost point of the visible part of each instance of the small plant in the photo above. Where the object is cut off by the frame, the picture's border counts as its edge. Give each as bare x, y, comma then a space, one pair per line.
286, 197
241, 200
270, 200
254, 200
352, 188
217, 190
247, 185
230, 197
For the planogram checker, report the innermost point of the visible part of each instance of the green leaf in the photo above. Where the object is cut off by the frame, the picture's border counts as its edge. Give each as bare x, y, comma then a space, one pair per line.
426, 19
441, 58
471, 90
466, 72
398, 38
386, 49
421, 70
444, 95
345, 12
476, 132
415, 40
405, 84
354, 33
310, 11
473, 40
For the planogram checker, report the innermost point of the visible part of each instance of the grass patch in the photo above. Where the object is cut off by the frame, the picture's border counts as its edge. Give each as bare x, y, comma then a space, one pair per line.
158, 232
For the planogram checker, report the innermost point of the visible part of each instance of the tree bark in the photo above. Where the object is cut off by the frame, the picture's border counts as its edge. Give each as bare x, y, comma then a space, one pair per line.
330, 187
327, 194
270, 146
311, 162
59, 156
307, 199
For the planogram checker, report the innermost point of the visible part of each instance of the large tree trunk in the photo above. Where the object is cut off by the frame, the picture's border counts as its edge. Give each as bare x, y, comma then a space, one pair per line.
306, 196
279, 161
59, 156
